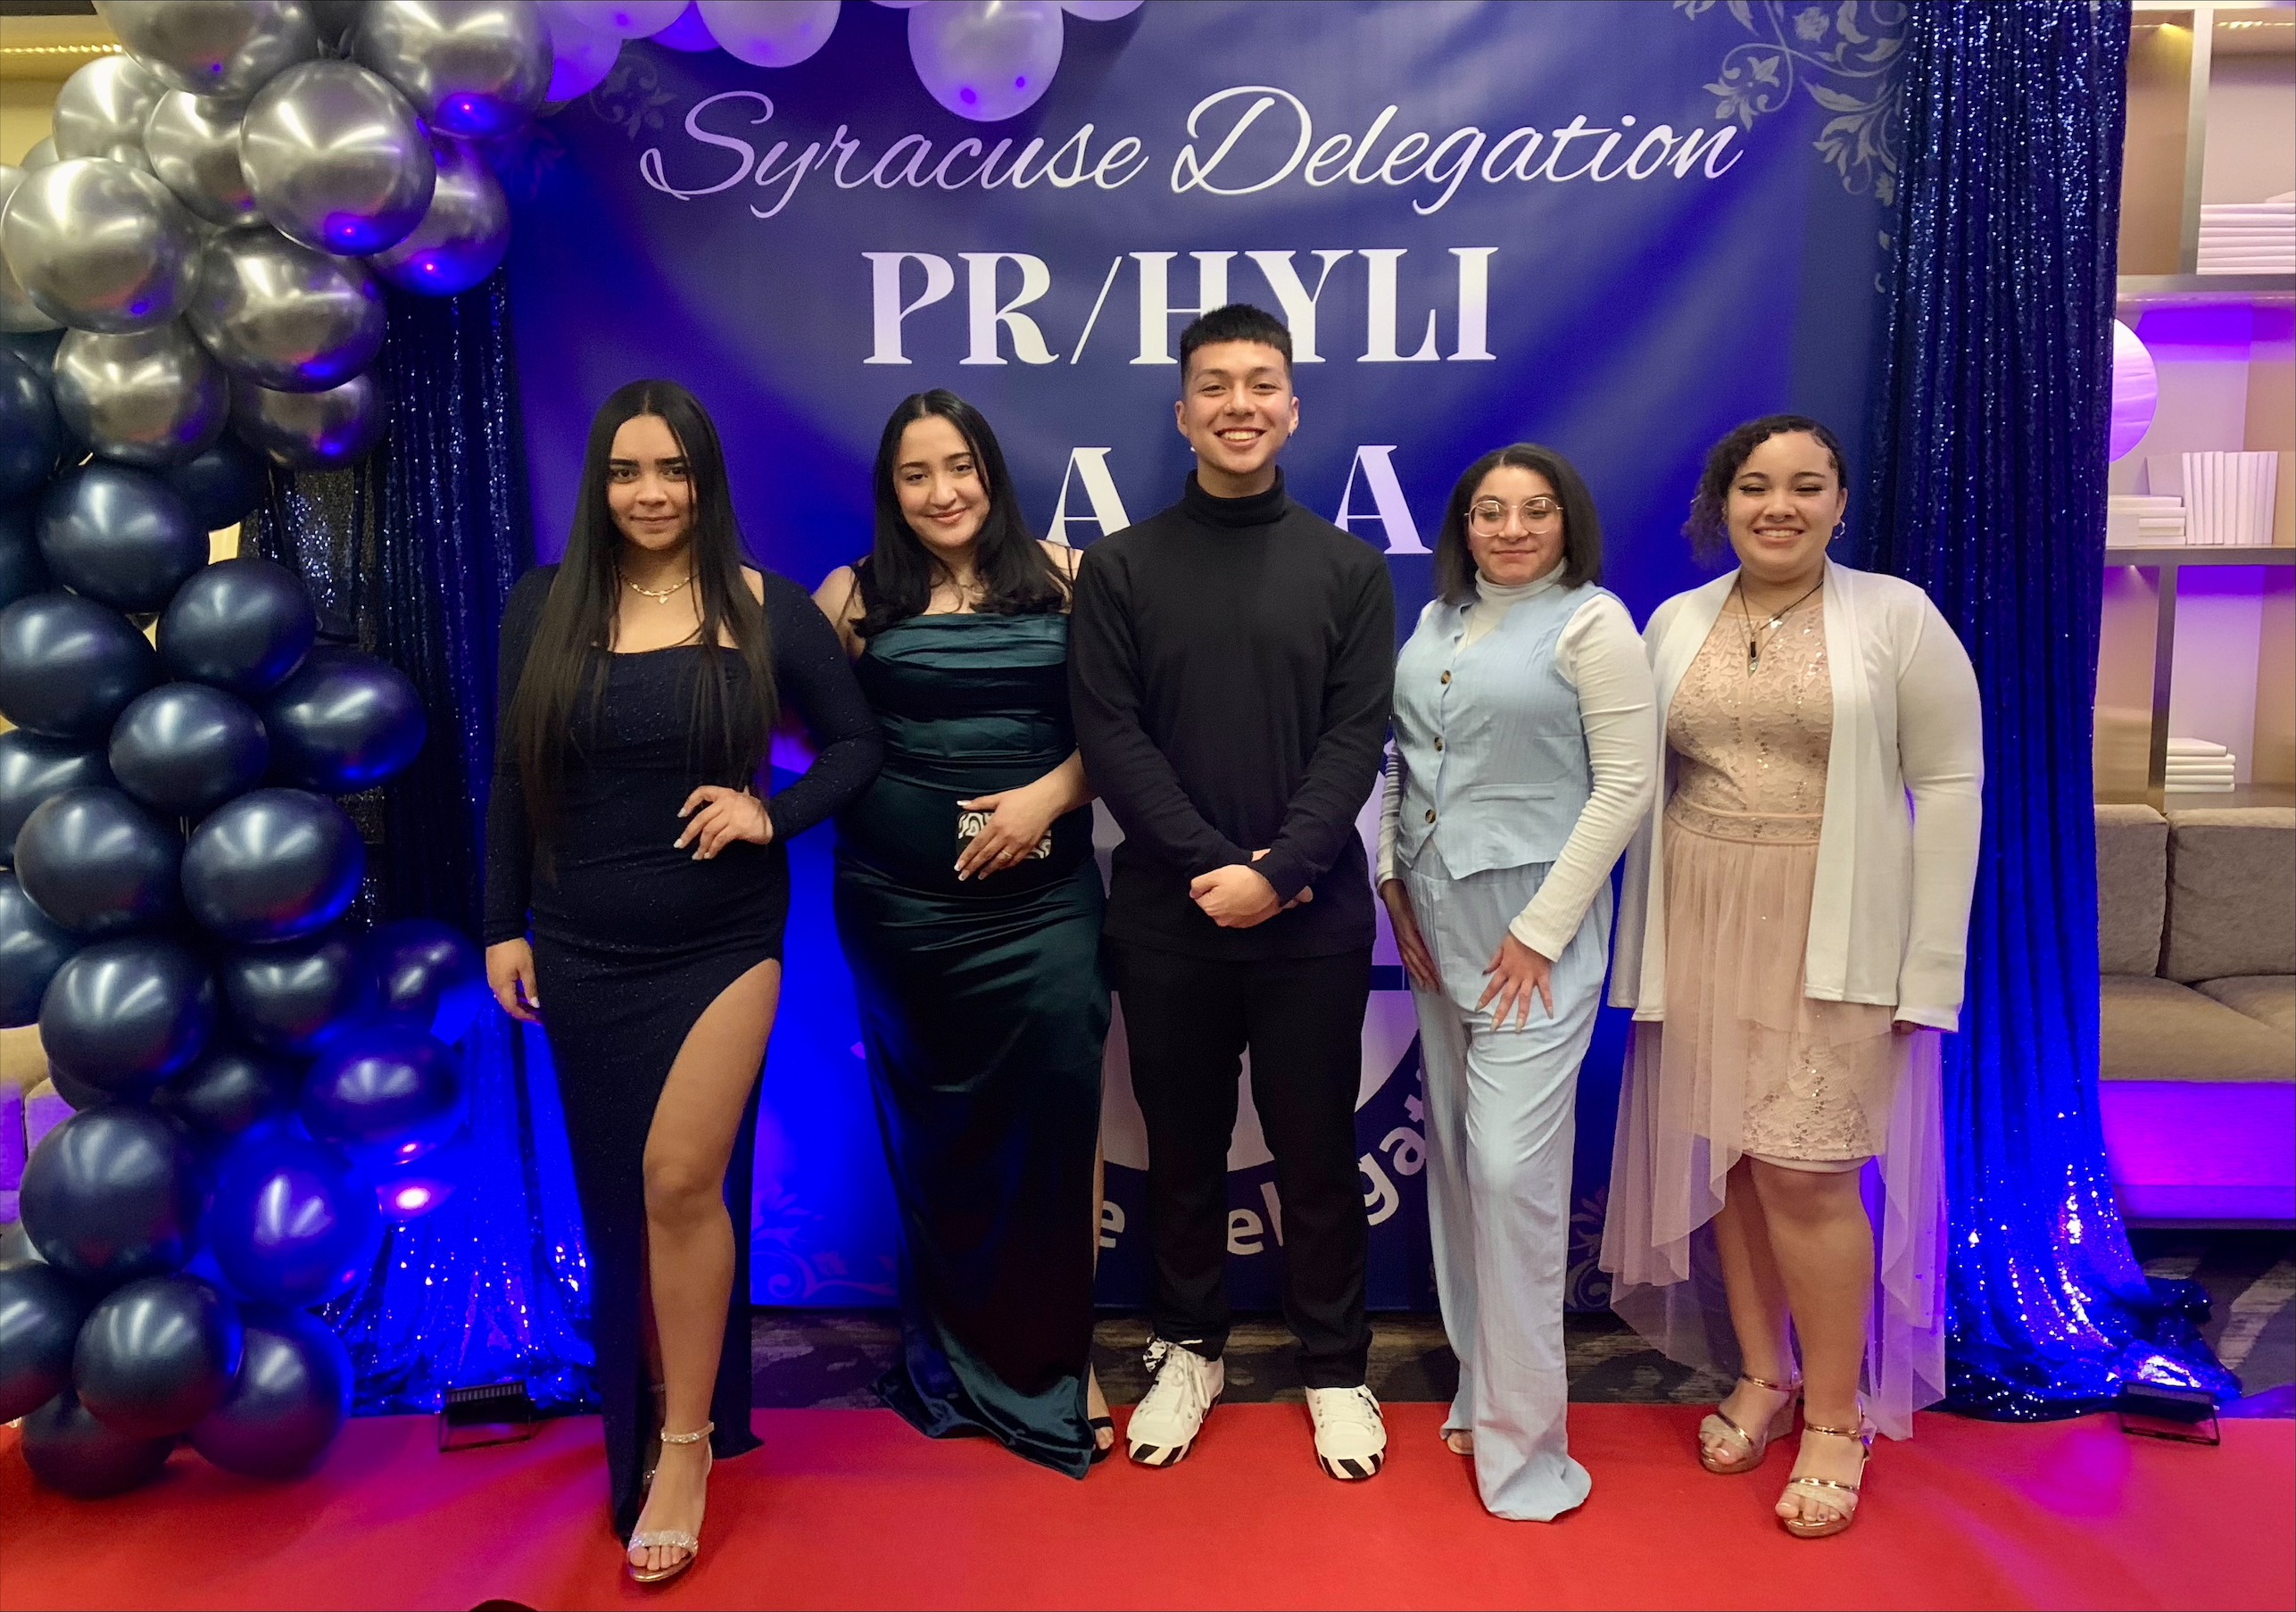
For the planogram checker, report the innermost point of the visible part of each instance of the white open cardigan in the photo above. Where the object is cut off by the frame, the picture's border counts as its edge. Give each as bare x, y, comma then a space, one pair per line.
1890, 917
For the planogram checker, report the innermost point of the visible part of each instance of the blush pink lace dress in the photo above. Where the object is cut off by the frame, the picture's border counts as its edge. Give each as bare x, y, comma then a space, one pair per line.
1745, 1062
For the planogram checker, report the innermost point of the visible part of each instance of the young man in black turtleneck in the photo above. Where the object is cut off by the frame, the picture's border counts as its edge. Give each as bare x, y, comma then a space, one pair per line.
1230, 662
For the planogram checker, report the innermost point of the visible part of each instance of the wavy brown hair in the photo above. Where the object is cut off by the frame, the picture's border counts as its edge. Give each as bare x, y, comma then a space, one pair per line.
564, 680
1709, 525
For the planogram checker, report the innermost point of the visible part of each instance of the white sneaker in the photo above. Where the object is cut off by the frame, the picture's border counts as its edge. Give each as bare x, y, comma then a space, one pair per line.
1164, 1425
1351, 1440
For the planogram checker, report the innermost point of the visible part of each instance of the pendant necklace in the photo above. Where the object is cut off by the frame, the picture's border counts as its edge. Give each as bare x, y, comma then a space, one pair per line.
1754, 633
660, 595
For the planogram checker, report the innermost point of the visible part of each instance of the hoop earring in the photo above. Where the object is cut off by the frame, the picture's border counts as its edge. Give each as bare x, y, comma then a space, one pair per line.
1839, 527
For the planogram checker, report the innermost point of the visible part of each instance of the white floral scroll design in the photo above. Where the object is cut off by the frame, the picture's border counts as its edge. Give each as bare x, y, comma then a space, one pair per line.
1843, 55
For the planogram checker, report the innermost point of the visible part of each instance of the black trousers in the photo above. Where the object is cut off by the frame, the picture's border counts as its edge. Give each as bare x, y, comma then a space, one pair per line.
1188, 1021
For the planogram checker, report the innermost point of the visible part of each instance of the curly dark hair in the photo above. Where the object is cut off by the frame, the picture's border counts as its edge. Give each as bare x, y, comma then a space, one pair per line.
1709, 525
1582, 527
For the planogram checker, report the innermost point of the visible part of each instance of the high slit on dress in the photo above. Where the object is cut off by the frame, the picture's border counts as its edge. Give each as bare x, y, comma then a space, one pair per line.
634, 939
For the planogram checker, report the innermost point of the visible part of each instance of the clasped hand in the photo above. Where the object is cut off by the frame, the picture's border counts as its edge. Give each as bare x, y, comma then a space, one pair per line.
1018, 821
716, 816
1236, 896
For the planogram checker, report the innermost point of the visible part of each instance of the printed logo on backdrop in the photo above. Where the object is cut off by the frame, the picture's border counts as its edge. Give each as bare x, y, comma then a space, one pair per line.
1615, 230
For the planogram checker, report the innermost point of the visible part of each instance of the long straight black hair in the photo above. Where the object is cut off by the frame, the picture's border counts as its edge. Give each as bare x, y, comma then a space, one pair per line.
726, 735
1017, 578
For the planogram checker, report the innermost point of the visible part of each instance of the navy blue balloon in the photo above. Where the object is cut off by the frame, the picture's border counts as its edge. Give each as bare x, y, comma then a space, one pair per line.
291, 1397
384, 1092
32, 947
36, 348
229, 1090
292, 1224
31, 434
272, 865
114, 1194
77, 1094
123, 1015
69, 666
242, 624
343, 722
119, 536
32, 768
22, 571
157, 1355
222, 486
40, 1313
284, 996
71, 1452
430, 973
184, 748
99, 864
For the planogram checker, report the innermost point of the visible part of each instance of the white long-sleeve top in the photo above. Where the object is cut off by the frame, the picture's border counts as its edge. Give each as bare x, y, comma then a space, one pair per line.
1600, 655
1890, 915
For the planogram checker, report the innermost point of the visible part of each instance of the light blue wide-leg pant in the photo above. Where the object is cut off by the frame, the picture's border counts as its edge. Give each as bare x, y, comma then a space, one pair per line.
1501, 1113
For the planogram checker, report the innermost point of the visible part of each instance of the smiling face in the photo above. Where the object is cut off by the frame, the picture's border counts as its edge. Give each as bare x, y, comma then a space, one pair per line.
938, 481
649, 485
1514, 526
1783, 506
1236, 410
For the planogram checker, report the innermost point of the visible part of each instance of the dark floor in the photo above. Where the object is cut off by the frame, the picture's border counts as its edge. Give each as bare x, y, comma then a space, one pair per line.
829, 1357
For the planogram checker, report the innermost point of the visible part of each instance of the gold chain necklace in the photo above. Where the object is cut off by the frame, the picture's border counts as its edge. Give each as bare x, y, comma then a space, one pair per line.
660, 595
1754, 634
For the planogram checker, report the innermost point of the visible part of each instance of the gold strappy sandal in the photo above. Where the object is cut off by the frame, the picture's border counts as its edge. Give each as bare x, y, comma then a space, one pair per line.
1862, 1434
1728, 1435
672, 1538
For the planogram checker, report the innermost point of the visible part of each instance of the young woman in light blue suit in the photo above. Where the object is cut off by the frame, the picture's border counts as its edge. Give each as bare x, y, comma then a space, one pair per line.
1524, 761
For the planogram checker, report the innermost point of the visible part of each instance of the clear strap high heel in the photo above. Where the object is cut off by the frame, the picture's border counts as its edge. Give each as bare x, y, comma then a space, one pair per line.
673, 1539
1719, 1433
1833, 1492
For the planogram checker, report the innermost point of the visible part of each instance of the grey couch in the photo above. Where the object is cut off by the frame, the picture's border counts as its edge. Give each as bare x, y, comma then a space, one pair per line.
2196, 939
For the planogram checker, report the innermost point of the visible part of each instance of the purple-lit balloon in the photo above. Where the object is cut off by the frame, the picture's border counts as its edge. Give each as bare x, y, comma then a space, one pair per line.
473, 68
770, 33
1099, 11
387, 1093
689, 32
2136, 391
291, 1223
986, 60
311, 431
580, 57
623, 19
336, 158
463, 235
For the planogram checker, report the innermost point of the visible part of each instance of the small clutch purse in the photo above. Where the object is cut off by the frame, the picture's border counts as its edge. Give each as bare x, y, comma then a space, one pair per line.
969, 825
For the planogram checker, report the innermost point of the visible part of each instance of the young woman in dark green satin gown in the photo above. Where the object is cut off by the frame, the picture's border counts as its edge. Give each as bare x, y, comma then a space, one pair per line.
969, 906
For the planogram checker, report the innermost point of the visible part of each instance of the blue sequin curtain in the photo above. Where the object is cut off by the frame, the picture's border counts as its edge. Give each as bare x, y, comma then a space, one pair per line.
413, 554
1987, 454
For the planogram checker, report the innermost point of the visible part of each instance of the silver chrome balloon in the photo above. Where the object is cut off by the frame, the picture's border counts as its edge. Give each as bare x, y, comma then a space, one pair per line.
463, 235
102, 109
17, 314
336, 158
285, 316
193, 142
43, 154
474, 67
99, 246
214, 47
310, 430
150, 398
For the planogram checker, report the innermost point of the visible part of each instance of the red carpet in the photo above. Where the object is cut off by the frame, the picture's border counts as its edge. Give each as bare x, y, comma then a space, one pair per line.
850, 1509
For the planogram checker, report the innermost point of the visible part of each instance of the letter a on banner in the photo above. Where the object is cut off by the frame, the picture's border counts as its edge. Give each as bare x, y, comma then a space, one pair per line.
1388, 506
1090, 467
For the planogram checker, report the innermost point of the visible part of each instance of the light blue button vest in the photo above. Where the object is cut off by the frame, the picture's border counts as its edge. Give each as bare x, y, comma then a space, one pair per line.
1495, 757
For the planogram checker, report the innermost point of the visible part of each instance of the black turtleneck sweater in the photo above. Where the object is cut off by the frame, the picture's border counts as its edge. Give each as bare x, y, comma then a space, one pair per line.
1230, 666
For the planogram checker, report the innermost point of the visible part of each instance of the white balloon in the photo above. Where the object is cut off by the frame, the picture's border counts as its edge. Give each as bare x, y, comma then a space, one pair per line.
900, 6
623, 19
1099, 11
102, 109
986, 60
581, 56
770, 33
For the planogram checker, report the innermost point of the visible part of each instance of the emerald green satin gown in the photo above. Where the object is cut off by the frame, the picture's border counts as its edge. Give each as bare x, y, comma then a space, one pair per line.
982, 1013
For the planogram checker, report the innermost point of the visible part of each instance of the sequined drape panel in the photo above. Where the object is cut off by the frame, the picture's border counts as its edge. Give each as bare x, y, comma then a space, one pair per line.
412, 555
1987, 455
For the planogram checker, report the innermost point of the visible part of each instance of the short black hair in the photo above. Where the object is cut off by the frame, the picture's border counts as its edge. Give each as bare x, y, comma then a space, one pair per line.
1236, 323
1582, 527
1709, 525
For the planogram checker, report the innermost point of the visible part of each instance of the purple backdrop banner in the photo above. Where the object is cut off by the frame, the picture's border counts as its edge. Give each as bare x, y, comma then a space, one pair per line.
1615, 228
